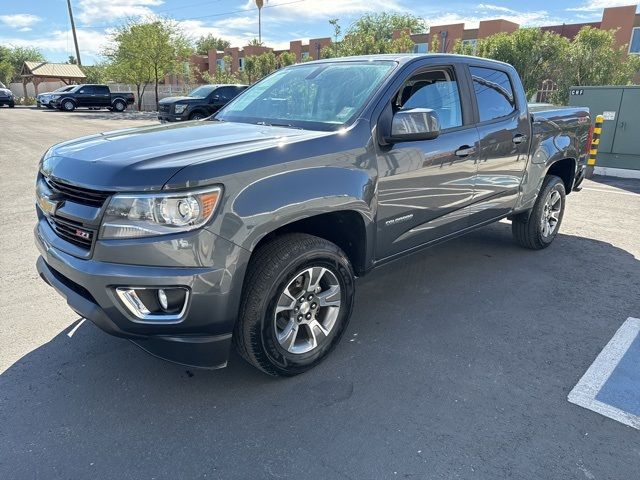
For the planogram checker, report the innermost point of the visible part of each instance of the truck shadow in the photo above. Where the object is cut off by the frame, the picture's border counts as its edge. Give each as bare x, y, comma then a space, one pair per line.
479, 301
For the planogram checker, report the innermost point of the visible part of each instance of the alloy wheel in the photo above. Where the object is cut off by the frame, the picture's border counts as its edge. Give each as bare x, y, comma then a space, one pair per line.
307, 310
551, 213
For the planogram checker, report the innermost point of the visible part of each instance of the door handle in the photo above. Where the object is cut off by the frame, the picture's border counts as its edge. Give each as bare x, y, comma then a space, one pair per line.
465, 151
519, 138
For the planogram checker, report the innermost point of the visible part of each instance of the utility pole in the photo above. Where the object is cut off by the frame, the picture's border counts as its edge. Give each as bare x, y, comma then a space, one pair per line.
73, 29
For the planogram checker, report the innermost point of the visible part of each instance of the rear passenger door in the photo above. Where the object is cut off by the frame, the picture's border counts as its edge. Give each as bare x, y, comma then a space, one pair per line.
102, 96
504, 130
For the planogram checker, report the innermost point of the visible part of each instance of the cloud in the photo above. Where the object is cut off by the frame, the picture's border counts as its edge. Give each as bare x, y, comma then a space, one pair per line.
61, 41
19, 20
474, 16
324, 9
597, 5
95, 11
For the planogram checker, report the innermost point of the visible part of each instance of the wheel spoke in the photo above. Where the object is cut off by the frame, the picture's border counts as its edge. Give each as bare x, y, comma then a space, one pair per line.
317, 332
555, 214
287, 337
287, 302
328, 297
314, 275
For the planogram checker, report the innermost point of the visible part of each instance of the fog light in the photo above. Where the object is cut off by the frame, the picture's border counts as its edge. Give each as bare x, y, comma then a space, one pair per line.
167, 304
162, 297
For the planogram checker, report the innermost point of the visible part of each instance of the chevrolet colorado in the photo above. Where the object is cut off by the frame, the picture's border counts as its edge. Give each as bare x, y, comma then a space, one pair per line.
250, 227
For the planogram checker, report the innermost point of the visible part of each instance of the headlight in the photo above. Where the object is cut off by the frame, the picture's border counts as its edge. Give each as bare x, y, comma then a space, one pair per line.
145, 215
55, 97
180, 108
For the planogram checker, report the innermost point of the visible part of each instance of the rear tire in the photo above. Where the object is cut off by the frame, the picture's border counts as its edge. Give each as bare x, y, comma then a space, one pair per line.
537, 229
119, 106
296, 304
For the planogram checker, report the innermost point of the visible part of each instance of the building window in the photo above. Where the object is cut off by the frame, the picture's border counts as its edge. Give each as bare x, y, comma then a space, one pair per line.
421, 48
241, 63
220, 63
305, 56
634, 45
471, 43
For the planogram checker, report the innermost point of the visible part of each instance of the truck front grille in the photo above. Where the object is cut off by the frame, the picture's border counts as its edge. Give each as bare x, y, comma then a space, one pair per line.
72, 232
84, 196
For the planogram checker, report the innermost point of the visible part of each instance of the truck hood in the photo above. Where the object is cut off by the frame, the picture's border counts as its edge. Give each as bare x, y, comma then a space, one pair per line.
170, 100
141, 159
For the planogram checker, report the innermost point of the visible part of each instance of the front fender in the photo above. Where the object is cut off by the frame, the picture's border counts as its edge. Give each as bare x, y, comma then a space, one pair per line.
275, 201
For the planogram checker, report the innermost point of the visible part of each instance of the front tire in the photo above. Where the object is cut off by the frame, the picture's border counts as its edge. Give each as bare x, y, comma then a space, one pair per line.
537, 229
196, 116
296, 304
68, 106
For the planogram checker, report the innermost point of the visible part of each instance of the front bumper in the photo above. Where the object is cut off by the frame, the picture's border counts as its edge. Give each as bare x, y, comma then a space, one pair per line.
7, 101
172, 117
202, 338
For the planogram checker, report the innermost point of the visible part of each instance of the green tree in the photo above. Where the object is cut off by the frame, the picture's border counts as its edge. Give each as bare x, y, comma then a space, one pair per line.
265, 64
593, 58
373, 33
98, 73
535, 54
144, 52
207, 42
16, 56
6, 72
285, 59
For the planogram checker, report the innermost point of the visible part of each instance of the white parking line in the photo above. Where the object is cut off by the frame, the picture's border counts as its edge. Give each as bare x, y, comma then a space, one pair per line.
70, 334
584, 393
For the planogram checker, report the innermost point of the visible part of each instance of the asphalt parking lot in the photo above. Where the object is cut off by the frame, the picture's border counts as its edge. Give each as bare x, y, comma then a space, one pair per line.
457, 362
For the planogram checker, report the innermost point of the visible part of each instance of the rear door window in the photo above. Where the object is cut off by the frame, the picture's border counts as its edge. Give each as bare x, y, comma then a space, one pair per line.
101, 89
494, 93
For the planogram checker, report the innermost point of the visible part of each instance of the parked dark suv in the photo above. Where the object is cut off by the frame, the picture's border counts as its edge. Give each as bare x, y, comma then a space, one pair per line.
200, 103
6, 96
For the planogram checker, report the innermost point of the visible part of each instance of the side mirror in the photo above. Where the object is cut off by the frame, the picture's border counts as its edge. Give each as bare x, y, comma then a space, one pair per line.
414, 124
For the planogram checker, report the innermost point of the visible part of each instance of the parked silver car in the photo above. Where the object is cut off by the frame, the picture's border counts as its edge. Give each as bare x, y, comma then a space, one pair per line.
45, 98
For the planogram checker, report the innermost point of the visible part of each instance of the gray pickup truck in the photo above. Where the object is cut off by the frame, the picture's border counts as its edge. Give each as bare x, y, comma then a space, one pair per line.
250, 227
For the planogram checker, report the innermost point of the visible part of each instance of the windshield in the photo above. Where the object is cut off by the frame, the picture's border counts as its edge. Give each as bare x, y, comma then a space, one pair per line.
202, 92
316, 96
66, 88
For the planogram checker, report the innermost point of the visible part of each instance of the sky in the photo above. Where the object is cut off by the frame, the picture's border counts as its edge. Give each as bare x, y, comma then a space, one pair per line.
45, 23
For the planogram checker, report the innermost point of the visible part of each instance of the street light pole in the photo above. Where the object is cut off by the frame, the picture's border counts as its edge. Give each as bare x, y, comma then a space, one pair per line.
260, 4
73, 30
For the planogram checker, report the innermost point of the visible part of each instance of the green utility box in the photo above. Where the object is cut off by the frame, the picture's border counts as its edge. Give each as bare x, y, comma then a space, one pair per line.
620, 141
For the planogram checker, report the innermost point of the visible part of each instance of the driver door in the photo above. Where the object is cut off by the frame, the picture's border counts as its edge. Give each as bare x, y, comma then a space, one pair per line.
425, 186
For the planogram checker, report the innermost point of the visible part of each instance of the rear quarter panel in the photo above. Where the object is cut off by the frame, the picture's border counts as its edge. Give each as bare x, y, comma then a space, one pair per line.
557, 133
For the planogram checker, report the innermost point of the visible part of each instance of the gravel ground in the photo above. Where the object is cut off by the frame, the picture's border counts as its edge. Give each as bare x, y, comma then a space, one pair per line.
456, 364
